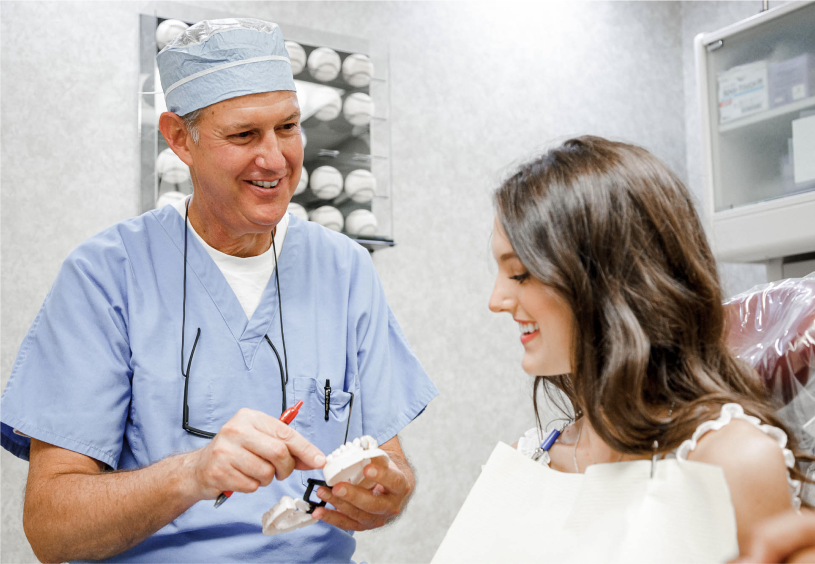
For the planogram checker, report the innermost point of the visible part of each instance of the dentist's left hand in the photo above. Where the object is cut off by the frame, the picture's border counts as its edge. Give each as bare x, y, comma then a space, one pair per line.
361, 509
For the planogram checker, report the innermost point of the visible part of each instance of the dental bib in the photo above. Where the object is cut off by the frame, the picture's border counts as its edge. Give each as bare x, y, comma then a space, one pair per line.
345, 464
522, 511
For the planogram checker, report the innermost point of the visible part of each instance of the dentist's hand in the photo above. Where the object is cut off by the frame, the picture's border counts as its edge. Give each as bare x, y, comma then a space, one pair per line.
249, 451
361, 509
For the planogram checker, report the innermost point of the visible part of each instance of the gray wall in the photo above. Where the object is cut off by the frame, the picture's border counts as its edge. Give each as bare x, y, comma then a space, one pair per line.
475, 89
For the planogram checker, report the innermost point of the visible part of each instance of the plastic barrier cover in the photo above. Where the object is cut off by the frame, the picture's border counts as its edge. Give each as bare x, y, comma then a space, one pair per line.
772, 327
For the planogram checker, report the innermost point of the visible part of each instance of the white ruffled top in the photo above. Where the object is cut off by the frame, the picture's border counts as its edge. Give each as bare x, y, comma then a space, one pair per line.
529, 443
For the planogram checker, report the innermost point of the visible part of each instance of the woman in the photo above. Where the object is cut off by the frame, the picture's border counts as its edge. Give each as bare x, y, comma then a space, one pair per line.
604, 264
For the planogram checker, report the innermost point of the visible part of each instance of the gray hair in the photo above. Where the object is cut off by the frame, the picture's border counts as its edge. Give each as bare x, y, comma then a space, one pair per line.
191, 123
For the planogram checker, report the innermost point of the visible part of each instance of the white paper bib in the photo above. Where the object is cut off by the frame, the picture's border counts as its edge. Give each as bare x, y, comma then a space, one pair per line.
522, 511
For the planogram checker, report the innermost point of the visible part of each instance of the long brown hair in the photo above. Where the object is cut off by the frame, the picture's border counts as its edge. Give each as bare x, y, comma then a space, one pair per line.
615, 232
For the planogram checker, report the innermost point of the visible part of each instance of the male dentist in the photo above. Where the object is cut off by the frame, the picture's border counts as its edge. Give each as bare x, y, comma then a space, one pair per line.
154, 375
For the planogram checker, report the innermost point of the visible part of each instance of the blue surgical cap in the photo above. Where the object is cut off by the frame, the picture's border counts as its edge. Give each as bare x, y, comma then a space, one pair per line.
215, 60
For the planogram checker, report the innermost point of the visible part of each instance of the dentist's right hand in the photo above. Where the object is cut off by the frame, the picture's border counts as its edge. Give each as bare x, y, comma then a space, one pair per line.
249, 451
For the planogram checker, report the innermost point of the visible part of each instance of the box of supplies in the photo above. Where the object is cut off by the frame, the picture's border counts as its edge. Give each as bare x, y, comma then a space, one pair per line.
803, 149
743, 91
790, 80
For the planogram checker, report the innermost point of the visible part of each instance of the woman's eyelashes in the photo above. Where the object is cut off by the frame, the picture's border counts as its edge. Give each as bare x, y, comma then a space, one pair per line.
520, 278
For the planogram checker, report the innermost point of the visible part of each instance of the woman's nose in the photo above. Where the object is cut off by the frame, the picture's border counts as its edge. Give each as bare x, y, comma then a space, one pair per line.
499, 300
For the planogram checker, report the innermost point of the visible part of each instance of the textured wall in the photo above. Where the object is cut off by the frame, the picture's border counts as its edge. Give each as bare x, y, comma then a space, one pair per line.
475, 89
69, 167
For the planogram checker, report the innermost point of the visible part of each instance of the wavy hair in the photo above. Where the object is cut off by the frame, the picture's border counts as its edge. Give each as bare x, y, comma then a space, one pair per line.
616, 234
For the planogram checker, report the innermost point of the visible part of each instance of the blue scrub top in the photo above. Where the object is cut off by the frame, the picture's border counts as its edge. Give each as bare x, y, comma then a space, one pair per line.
99, 371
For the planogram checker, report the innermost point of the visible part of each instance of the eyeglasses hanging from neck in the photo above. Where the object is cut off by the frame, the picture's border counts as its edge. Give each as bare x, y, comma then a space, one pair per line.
283, 366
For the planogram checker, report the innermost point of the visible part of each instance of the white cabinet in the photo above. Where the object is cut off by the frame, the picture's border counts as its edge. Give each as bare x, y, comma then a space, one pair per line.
756, 84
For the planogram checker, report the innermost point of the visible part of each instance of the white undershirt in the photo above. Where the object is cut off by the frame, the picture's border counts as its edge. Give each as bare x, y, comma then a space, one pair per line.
247, 276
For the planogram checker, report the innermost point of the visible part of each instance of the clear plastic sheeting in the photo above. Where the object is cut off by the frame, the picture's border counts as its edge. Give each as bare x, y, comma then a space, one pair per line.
200, 32
799, 416
801, 413
772, 327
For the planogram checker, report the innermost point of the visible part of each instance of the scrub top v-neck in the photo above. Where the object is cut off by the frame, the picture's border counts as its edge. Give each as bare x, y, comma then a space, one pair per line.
247, 276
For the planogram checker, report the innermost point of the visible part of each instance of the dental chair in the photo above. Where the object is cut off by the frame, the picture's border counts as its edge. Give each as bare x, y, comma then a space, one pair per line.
772, 327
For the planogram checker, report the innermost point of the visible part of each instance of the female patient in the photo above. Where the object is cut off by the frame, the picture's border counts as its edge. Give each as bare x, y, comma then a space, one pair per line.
604, 264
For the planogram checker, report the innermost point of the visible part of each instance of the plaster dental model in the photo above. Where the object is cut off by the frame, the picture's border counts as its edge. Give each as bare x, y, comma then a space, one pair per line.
288, 514
347, 462
343, 465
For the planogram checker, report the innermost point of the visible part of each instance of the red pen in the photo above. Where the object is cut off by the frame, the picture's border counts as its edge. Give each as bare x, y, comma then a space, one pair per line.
286, 417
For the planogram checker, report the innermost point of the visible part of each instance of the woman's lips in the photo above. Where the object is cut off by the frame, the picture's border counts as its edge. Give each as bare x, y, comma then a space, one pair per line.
526, 337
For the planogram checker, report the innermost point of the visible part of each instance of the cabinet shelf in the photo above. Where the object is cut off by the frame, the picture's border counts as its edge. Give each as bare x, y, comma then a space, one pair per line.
781, 111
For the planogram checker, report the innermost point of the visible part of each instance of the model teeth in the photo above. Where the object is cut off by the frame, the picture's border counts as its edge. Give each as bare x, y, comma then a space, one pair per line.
527, 328
359, 444
264, 184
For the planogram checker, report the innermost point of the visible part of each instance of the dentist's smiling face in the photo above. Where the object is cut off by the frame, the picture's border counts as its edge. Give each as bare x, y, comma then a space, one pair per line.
249, 158
544, 318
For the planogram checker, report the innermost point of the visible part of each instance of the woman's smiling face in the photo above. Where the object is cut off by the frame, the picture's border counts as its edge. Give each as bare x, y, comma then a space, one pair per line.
545, 319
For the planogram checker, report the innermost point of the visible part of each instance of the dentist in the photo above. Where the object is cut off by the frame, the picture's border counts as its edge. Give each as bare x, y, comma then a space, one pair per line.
153, 376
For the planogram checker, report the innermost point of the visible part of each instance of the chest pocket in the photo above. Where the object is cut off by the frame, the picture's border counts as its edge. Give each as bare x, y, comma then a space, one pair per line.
311, 422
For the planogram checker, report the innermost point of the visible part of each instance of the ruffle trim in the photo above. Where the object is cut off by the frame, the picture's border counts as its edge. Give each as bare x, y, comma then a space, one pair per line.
732, 411
529, 444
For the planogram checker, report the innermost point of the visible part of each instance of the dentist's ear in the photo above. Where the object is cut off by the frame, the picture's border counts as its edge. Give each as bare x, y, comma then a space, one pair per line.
175, 132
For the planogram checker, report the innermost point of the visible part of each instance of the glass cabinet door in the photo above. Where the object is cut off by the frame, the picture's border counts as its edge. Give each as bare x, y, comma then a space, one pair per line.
761, 89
